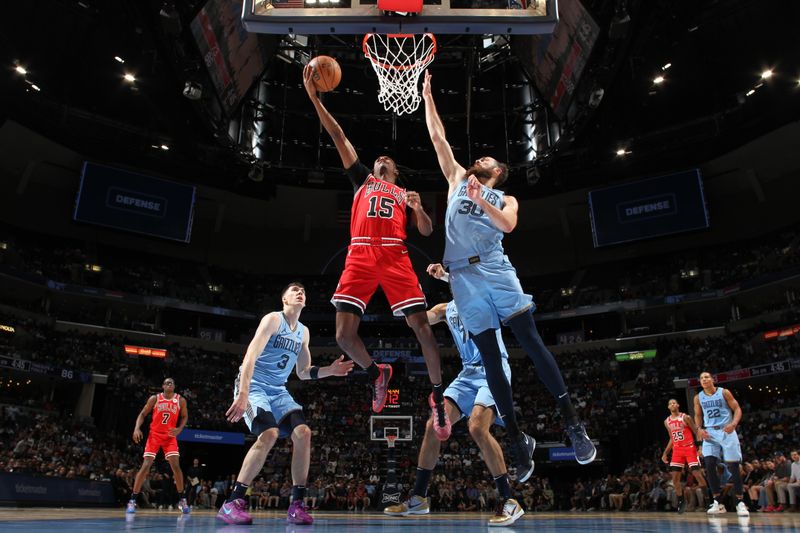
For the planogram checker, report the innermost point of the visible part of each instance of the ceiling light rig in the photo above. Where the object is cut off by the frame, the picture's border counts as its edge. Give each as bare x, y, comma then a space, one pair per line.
130, 78
658, 80
767, 74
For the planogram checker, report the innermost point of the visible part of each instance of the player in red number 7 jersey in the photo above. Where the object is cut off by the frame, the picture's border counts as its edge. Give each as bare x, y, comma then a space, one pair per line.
682, 430
377, 255
169, 416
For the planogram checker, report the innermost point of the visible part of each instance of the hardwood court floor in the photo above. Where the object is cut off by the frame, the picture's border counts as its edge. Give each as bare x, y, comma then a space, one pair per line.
101, 520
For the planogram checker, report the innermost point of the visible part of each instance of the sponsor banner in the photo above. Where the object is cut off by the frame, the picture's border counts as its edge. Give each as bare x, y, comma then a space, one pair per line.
561, 454
135, 202
25, 488
211, 437
158, 353
638, 355
778, 367
648, 208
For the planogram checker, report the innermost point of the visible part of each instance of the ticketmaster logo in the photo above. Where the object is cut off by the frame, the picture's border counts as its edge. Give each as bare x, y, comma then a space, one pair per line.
89, 492
137, 202
30, 489
646, 208
203, 436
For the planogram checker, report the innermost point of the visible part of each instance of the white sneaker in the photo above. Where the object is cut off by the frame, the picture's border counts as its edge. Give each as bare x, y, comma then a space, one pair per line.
716, 508
741, 509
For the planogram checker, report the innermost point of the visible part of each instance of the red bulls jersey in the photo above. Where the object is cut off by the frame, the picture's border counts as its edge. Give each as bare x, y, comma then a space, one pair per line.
682, 435
379, 211
165, 414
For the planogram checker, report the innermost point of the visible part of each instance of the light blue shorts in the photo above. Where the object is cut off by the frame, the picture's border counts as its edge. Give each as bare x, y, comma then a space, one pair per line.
723, 446
487, 293
470, 389
276, 400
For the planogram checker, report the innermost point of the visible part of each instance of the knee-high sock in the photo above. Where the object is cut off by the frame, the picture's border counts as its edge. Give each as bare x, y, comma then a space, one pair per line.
486, 341
711, 474
736, 477
525, 331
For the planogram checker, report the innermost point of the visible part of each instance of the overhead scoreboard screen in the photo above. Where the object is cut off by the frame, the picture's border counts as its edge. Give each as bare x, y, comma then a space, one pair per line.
648, 208
139, 203
357, 17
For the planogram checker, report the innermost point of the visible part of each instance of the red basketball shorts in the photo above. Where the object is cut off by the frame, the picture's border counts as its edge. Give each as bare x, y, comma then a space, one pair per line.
684, 455
156, 441
368, 266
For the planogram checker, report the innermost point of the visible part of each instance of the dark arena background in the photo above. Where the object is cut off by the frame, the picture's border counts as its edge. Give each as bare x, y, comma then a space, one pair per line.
163, 175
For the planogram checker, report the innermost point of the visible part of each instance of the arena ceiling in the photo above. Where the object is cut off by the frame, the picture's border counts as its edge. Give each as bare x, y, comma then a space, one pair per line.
73, 91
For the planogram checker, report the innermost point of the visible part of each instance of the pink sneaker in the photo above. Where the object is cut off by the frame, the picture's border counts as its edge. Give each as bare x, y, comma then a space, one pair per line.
442, 431
235, 512
298, 514
381, 388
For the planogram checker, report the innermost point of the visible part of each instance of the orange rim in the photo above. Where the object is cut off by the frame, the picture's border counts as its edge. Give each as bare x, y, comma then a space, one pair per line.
388, 66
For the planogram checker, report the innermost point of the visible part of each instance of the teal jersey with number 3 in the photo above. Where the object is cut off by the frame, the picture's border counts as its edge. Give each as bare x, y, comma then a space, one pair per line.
279, 357
716, 411
468, 230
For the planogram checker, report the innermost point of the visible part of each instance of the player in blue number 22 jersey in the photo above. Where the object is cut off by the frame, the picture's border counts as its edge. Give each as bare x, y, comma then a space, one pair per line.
486, 289
717, 413
260, 397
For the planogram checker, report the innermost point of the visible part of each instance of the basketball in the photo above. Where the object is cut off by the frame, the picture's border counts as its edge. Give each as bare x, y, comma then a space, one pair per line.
327, 73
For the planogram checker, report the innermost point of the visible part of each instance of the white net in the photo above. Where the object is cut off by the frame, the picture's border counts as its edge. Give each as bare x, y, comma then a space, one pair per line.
398, 60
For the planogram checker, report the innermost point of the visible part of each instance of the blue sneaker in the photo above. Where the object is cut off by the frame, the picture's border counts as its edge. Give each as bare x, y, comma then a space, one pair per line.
131, 509
183, 506
523, 453
585, 452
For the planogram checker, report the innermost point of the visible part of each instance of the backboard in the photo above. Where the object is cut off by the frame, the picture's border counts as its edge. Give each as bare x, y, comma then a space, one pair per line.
517, 17
401, 427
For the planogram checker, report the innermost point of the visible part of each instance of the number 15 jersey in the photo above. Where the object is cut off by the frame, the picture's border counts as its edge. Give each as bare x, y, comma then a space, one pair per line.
279, 356
379, 207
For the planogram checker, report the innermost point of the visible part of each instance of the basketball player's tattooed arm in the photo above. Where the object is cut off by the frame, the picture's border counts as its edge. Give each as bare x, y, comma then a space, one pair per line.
453, 172
174, 432
423, 221
268, 326
701, 434
343, 145
504, 219
735, 407
339, 367
669, 444
437, 313
146, 410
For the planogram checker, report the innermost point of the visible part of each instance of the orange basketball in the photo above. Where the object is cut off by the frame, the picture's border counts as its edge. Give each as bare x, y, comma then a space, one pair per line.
327, 73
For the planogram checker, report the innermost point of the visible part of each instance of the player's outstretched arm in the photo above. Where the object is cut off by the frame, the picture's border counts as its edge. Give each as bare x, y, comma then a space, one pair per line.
424, 222
504, 219
266, 329
447, 161
437, 313
343, 145
174, 432
147, 409
305, 370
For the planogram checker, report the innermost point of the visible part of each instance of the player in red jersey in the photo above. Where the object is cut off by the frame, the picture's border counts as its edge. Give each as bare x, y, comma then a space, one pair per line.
682, 430
169, 416
377, 255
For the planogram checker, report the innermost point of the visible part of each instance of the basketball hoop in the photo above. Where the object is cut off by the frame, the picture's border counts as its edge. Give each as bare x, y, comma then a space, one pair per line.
398, 60
390, 440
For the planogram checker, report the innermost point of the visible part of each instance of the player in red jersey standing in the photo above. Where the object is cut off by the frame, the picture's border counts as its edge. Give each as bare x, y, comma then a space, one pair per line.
169, 416
377, 255
682, 430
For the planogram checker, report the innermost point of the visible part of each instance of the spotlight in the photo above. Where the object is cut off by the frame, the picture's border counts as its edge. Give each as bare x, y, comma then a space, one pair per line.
21, 70
119, 59
621, 151
130, 78
658, 80
35, 87
164, 147
665, 67
750, 92
767, 74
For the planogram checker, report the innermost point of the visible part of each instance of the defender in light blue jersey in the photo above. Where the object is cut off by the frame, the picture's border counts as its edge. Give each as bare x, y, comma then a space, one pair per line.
717, 413
279, 346
468, 396
485, 285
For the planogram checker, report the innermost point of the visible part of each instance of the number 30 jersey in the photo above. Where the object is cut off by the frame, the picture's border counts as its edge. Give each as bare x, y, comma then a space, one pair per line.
279, 356
468, 230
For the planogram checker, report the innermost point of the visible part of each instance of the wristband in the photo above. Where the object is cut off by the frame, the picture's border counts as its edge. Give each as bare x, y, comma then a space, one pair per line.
445, 277
314, 372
